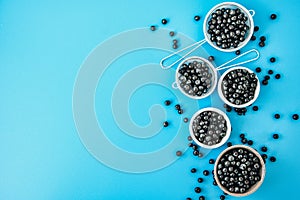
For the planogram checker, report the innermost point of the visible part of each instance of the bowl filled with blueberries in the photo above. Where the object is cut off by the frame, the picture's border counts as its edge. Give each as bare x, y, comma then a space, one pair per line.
228, 26
239, 170
196, 77
238, 87
210, 128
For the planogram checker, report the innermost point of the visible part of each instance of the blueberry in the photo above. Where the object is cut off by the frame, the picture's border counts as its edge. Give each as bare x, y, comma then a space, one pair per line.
272, 59
166, 124
277, 116
197, 18
164, 21
273, 16
167, 102
295, 116
272, 159
197, 189
205, 172
275, 136
193, 170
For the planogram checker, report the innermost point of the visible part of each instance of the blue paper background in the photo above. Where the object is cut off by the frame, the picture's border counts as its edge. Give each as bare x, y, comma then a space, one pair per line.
44, 43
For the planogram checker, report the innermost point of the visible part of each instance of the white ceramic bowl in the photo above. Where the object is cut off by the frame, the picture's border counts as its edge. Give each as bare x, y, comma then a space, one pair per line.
224, 139
254, 187
231, 5
220, 91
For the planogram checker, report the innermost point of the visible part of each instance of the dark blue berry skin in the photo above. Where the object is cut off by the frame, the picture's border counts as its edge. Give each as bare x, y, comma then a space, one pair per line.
200, 180
167, 102
275, 136
273, 16
166, 124
202, 198
197, 189
272, 159
197, 18
205, 172
295, 116
193, 170
164, 21
277, 116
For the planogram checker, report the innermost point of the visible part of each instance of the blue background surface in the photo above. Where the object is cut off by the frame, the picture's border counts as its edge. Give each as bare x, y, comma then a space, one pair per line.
44, 43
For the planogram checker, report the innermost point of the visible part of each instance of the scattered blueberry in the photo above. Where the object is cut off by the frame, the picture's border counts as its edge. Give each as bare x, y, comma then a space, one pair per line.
178, 153
211, 58
253, 37
244, 140
262, 38
255, 108
201, 198
193, 170
272, 159
152, 28
277, 76
295, 116
197, 189
167, 102
264, 149
164, 21
275, 136
277, 116
261, 44
272, 60
258, 69
200, 180
270, 72
166, 124
172, 33
205, 172
273, 16
197, 18
264, 82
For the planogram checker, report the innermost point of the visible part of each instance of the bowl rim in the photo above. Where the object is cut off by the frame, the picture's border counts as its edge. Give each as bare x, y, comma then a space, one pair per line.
220, 91
254, 187
251, 25
224, 139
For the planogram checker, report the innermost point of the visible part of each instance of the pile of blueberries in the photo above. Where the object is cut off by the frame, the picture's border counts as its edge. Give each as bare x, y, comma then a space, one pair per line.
228, 27
195, 78
239, 86
209, 127
238, 170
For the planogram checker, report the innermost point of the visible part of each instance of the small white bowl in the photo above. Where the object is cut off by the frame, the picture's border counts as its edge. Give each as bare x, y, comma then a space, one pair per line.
231, 5
220, 91
254, 187
213, 78
224, 139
